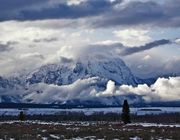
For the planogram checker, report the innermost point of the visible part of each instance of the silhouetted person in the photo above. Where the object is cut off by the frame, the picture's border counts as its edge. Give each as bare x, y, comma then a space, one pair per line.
125, 116
21, 116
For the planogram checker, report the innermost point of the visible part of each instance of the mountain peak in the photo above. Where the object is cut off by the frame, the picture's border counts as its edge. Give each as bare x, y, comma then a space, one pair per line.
62, 74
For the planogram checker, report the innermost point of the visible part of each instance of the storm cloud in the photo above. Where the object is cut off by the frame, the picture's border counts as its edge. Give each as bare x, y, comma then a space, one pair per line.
49, 10
105, 13
132, 50
142, 13
122, 50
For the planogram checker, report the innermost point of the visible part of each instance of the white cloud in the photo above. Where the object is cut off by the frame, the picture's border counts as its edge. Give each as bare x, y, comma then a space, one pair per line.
164, 89
171, 65
112, 0
147, 57
27, 55
177, 41
75, 2
17, 31
167, 89
27, 51
133, 37
110, 88
49, 93
106, 42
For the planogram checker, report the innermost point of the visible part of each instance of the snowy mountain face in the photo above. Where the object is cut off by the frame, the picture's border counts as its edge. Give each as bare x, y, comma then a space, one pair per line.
54, 83
63, 74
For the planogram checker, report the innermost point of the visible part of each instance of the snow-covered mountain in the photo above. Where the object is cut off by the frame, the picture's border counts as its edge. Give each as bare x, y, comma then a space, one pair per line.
67, 73
71, 82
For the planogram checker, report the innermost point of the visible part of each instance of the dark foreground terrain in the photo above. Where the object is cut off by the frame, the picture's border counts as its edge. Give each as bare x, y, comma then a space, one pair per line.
75, 125
39, 130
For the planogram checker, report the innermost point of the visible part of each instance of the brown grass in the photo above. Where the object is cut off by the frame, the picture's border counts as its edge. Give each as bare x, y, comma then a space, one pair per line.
98, 130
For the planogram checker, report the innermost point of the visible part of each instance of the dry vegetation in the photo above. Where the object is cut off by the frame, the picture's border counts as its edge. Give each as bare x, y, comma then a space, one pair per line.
30, 130
95, 126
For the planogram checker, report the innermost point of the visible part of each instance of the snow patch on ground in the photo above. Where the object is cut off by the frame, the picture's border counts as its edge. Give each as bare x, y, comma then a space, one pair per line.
54, 136
155, 125
87, 123
135, 138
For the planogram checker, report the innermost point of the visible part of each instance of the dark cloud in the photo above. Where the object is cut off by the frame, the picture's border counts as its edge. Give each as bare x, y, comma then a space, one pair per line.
7, 46
85, 9
132, 50
65, 60
110, 13
60, 10
7, 5
133, 13
11, 9
4, 47
138, 12
47, 40
120, 49
12, 42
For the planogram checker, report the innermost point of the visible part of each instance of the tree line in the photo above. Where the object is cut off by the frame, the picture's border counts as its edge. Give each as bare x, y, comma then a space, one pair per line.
125, 116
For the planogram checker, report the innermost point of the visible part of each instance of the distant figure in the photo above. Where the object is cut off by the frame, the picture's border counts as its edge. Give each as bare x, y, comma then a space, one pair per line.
125, 116
21, 116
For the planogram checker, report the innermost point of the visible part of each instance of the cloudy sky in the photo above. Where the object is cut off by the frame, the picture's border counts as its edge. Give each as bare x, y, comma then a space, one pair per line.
144, 33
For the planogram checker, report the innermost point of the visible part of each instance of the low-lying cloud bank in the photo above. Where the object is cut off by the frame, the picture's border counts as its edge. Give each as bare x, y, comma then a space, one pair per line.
44, 93
164, 89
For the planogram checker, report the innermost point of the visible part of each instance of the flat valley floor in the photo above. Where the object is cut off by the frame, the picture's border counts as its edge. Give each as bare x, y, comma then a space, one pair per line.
39, 130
